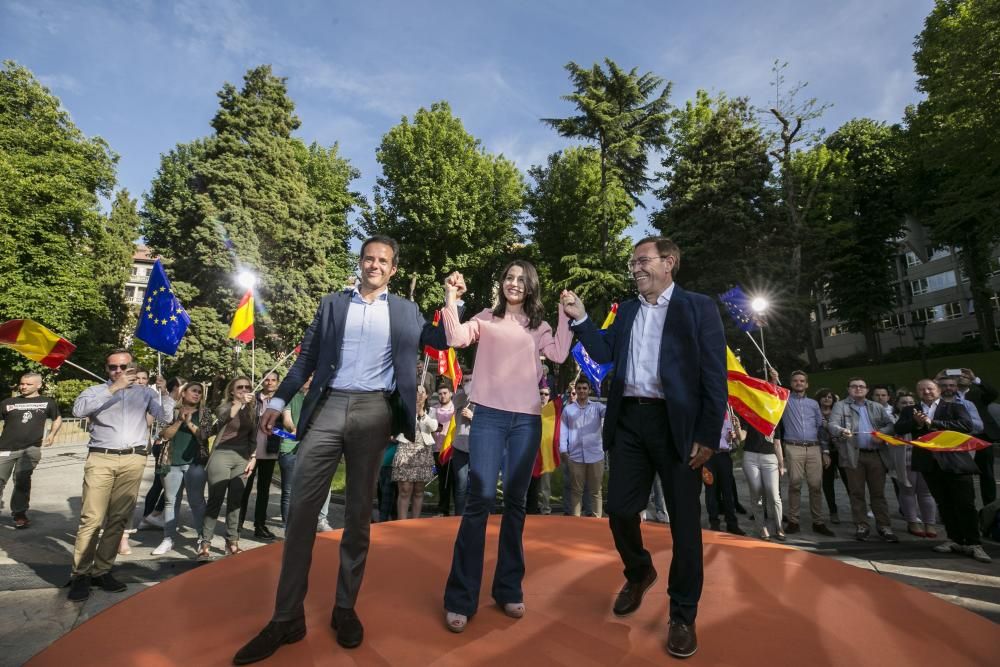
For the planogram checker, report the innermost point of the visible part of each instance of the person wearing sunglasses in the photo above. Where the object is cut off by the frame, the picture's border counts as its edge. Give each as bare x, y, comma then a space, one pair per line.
232, 460
119, 442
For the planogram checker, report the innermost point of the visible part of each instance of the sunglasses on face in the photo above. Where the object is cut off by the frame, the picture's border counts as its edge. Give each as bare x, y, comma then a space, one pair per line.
117, 367
242, 386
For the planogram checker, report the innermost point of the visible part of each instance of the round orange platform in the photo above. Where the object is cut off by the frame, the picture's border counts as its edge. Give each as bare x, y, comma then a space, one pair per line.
762, 604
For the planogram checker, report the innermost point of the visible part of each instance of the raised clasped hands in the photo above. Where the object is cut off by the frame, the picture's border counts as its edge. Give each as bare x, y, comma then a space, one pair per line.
572, 305
454, 287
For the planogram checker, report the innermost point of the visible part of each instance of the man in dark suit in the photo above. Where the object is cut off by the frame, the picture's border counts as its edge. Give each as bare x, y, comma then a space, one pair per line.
948, 474
362, 348
665, 412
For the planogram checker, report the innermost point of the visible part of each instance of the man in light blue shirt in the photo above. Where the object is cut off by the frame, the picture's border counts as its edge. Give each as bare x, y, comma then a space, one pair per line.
582, 447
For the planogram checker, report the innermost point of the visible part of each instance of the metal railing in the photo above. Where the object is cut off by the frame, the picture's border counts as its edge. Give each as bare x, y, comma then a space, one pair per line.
73, 432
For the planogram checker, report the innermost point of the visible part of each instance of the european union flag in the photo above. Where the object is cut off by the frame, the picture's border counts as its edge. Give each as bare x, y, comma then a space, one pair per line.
162, 320
737, 303
594, 371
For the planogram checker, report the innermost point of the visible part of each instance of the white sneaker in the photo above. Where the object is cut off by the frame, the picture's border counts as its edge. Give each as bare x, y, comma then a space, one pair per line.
323, 527
978, 553
947, 548
166, 545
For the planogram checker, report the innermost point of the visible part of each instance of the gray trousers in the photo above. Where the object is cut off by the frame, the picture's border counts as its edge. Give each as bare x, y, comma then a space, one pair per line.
225, 482
356, 426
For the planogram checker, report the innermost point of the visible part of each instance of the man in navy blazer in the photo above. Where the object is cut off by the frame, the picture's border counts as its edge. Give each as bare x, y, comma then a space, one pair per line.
362, 350
665, 411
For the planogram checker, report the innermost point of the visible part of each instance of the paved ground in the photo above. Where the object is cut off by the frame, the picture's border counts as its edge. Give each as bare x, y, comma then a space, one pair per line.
34, 563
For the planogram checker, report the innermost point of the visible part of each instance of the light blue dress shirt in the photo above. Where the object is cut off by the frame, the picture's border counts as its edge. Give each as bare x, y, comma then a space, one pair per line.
865, 427
366, 353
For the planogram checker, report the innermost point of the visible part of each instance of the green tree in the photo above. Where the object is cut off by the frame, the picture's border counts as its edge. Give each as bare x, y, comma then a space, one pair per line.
564, 206
955, 139
866, 211
449, 203
59, 254
622, 113
251, 196
718, 205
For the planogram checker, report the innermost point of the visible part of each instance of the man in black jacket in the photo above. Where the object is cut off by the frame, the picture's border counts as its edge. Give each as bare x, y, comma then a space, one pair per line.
973, 389
948, 474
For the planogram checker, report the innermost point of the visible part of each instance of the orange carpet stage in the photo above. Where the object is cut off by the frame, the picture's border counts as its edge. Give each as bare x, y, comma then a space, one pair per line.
762, 604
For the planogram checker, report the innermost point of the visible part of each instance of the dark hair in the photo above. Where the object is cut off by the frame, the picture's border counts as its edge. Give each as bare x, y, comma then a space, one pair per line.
384, 240
583, 380
274, 373
856, 378
823, 393
229, 394
871, 389
142, 369
901, 395
175, 382
802, 373
532, 294
665, 248
118, 350
444, 384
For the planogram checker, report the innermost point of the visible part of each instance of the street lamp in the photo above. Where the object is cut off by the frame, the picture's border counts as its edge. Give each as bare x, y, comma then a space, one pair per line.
918, 330
759, 305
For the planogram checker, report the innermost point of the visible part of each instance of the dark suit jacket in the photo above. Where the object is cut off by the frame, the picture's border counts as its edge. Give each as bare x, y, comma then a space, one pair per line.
981, 395
324, 338
947, 417
692, 367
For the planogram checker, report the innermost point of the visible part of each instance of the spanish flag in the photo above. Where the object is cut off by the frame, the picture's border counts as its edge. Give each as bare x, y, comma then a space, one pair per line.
760, 403
448, 365
242, 326
939, 441
548, 450
446, 449
36, 342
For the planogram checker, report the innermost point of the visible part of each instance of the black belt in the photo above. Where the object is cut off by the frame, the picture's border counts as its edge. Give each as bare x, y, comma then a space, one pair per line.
800, 443
141, 451
642, 400
350, 392
868, 451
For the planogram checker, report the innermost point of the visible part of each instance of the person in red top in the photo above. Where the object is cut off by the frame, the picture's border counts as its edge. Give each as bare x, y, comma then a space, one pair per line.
506, 431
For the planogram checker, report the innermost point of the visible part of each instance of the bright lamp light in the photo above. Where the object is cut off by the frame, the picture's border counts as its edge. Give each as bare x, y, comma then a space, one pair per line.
246, 279
759, 305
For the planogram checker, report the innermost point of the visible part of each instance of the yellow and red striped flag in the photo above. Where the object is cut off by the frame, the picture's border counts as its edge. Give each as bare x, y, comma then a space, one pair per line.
448, 365
36, 342
548, 450
446, 449
939, 441
242, 326
760, 403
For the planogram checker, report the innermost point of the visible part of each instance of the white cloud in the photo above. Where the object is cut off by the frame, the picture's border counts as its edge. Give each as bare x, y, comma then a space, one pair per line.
60, 83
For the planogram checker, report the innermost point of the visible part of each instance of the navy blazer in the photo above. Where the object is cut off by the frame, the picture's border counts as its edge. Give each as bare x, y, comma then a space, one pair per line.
409, 332
692, 367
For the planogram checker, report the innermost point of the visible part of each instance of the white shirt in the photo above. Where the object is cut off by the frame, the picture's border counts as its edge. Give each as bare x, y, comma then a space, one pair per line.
642, 374
929, 409
580, 435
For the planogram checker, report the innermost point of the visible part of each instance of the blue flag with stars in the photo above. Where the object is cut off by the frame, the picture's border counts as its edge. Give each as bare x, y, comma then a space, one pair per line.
162, 320
737, 303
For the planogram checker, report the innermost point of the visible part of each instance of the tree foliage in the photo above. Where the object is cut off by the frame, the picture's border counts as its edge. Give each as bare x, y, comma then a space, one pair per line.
624, 116
61, 258
954, 138
250, 197
449, 204
565, 218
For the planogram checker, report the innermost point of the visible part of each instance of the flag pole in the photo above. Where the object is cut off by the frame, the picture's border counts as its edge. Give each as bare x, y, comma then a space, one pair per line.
253, 360
81, 368
273, 368
767, 364
159, 373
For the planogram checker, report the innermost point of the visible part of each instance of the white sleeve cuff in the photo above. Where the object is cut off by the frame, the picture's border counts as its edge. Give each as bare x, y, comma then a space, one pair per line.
276, 404
573, 323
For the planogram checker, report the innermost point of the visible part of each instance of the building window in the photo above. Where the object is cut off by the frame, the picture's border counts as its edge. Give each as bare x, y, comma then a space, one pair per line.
938, 253
939, 313
912, 259
970, 335
933, 283
893, 321
830, 332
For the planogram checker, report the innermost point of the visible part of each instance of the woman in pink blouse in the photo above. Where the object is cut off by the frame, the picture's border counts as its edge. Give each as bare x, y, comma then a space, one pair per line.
505, 432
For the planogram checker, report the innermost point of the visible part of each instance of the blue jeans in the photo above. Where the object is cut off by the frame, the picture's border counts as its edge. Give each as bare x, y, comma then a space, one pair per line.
192, 478
286, 463
460, 479
498, 438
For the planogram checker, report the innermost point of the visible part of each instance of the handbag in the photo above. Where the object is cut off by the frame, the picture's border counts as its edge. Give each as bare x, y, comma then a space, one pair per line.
958, 463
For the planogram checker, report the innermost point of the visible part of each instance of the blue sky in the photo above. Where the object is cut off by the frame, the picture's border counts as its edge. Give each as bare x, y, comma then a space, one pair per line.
143, 74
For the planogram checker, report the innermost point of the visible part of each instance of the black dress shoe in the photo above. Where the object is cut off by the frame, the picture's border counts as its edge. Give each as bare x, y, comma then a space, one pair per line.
262, 533
714, 525
823, 530
734, 529
740, 509
108, 583
79, 588
682, 642
350, 632
270, 640
792, 527
630, 596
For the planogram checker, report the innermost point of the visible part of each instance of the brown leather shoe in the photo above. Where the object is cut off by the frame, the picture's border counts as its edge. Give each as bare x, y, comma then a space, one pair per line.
350, 632
682, 642
630, 596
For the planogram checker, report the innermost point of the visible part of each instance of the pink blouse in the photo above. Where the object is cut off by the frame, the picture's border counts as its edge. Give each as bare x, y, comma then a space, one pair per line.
508, 370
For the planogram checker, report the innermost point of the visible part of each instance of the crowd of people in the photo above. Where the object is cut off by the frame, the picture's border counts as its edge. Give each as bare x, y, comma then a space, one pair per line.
656, 444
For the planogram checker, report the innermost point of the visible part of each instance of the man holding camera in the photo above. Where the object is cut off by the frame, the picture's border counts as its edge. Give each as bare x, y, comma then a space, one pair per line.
119, 443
